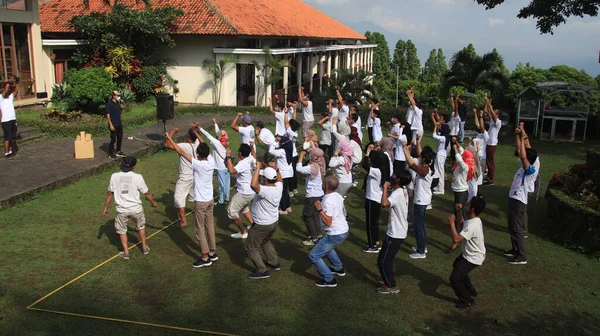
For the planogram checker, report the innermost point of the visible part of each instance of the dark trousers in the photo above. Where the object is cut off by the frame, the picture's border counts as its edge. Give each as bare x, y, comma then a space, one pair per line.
294, 181
517, 224
116, 135
370, 131
310, 215
385, 260
461, 197
285, 196
490, 152
460, 281
419, 225
259, 240
399, 166
372, 211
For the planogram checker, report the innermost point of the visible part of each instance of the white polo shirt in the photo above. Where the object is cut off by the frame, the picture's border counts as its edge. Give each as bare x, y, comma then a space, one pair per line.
473, 248
243, 177
307, 112
126, 188
398, 222
314, 186
265, 206
203, 173
494, 131
333, 206
374, 190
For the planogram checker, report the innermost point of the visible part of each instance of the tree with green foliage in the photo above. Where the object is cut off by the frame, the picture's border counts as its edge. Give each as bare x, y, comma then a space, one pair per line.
413, 64
89, 88
218, 71
146, 3
551, 13
381, 67
399, 60
431, 79
354, 87
523, 77
268, 72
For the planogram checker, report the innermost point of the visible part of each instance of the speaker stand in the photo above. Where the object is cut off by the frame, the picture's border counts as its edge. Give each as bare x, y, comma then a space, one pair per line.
164, 124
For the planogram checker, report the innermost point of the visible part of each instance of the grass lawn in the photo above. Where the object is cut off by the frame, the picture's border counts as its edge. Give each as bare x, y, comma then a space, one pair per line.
59, 235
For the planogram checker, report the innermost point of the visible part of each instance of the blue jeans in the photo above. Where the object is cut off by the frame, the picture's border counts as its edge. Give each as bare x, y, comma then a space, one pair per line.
326, 248
461, 133
419, 222
224, 185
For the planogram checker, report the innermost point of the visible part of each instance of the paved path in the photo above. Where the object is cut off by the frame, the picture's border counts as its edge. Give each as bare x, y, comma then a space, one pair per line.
50, 164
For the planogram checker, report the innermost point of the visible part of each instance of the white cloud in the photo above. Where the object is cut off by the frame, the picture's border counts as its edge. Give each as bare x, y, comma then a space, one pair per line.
398, 25
496, 22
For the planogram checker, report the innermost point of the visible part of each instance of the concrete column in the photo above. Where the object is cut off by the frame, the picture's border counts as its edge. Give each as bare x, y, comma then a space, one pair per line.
310, 71
320, 70
364, 59
285, 77
299, 68
336, 63
348, 60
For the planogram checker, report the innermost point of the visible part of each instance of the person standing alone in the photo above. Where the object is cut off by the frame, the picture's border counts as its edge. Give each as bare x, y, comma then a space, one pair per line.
9, 117
114, 108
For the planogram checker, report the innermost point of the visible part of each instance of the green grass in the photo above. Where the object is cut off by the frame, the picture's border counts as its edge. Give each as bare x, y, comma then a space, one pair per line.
58, 235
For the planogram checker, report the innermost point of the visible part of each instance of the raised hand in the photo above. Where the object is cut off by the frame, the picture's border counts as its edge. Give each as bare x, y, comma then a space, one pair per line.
450, 219
228, 152
240, 114
214, 120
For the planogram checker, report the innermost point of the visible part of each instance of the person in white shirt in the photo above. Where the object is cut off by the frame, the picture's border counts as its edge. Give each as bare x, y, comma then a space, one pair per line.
414, 116
325, 136
441, 133
397, 229
240, 202
291, 127
283, 152
356, 122
291, 110
246, 130
377, 133
308, 119
333, 221
475, 148
492, 144
482, 138
425, 171
314, 173
266, 220
523, 184
8, 116
219, 148
455, 120
203, 169
184, 188
341, 163
473, 252
464, 164
263, 134
279, 113
397, 134
370, 120
377, 166
126, 187
344, 110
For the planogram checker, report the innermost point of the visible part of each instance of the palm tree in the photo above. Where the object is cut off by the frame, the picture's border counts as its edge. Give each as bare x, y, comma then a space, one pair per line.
219, 70
355, 87
269, 72
147, 3
474, 72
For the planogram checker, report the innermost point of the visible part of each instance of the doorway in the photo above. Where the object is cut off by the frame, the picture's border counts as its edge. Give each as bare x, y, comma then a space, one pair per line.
15, 57
245, 84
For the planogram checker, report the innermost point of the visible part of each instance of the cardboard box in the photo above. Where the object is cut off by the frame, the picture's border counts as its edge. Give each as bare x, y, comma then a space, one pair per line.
84, 146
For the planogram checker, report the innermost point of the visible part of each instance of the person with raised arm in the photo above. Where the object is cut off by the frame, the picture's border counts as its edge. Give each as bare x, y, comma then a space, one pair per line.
454, 122
184, 188
397, 229
378, 171
246, 131
291, 128
415, 114
441, 133
461, 109
356, 121
473, 252
370, 121
325, 137
314, 172
219, 148
377, 132
240, 202
308, 119
398, 136
8, 119
482, 138
282, 150
462, 171
344, 110
536, 165
203, 168
494, 130
266, 220
341, 164
523, 183
279, 113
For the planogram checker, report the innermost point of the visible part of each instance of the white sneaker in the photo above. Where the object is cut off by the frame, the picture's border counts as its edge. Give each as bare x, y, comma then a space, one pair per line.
414, 249
291, 193
295, 191
429, 207
309, 242
239, 235
417, 256
354, 184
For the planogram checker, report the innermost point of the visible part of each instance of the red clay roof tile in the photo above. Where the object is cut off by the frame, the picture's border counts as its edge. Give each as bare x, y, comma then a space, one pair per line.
287, 18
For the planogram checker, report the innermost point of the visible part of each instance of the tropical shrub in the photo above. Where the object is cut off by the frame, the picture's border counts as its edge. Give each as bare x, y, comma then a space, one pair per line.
89, 88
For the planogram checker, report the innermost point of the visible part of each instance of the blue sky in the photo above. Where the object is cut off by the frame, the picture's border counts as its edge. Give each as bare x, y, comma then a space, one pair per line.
452, 24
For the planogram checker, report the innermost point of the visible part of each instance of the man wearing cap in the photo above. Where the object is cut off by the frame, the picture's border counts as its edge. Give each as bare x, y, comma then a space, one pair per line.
114, 108
246, 130
126, 187
265, 213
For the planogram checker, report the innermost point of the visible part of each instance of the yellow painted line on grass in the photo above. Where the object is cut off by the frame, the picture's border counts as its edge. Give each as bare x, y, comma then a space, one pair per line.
130, 322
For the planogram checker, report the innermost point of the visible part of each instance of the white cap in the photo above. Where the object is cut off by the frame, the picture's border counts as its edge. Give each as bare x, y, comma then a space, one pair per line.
269, 173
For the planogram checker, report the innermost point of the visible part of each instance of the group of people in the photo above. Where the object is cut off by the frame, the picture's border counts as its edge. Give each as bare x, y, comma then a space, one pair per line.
401, 174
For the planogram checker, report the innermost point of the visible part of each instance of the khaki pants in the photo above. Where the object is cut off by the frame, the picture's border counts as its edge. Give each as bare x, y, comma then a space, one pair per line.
259, 238
205, 224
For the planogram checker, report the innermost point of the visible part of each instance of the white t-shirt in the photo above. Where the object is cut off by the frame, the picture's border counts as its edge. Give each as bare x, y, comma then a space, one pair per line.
334, 113
370, 118
377, 135
203, 184
399, 151
307, 112
219, 152
294, 137
285, 169
374, 190
473, 248
185, 167
494, 132
344, 113
339, 169
266, 137
126, 187
413, 174
290, 113
416, 118
358, 125
441, 144
279, 123
454, 124
246, 134
325, 134
7, 108
398, 222
423, 189
333, 206
314, 186
459, 181
523, 182
265, 207
483, 140
243, 178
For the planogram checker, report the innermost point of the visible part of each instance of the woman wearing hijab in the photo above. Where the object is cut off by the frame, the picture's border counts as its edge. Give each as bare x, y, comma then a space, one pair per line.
443, 139
377, 166
314, 173
462, 170
341, 162
357, 156
387, 147
282, 150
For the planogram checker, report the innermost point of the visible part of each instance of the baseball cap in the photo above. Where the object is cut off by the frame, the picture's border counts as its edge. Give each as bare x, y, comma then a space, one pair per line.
247, 119
116, 93
269, 173
128, 163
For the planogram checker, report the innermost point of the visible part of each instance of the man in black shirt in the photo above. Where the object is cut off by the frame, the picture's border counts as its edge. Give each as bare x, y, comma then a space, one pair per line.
462, 113
114, 108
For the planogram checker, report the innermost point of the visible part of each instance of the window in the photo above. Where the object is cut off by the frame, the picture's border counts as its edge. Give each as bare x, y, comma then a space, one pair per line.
13, 4
15, 57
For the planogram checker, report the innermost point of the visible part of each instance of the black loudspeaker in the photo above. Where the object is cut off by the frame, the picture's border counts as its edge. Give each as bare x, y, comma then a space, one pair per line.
165, 107
42, 95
